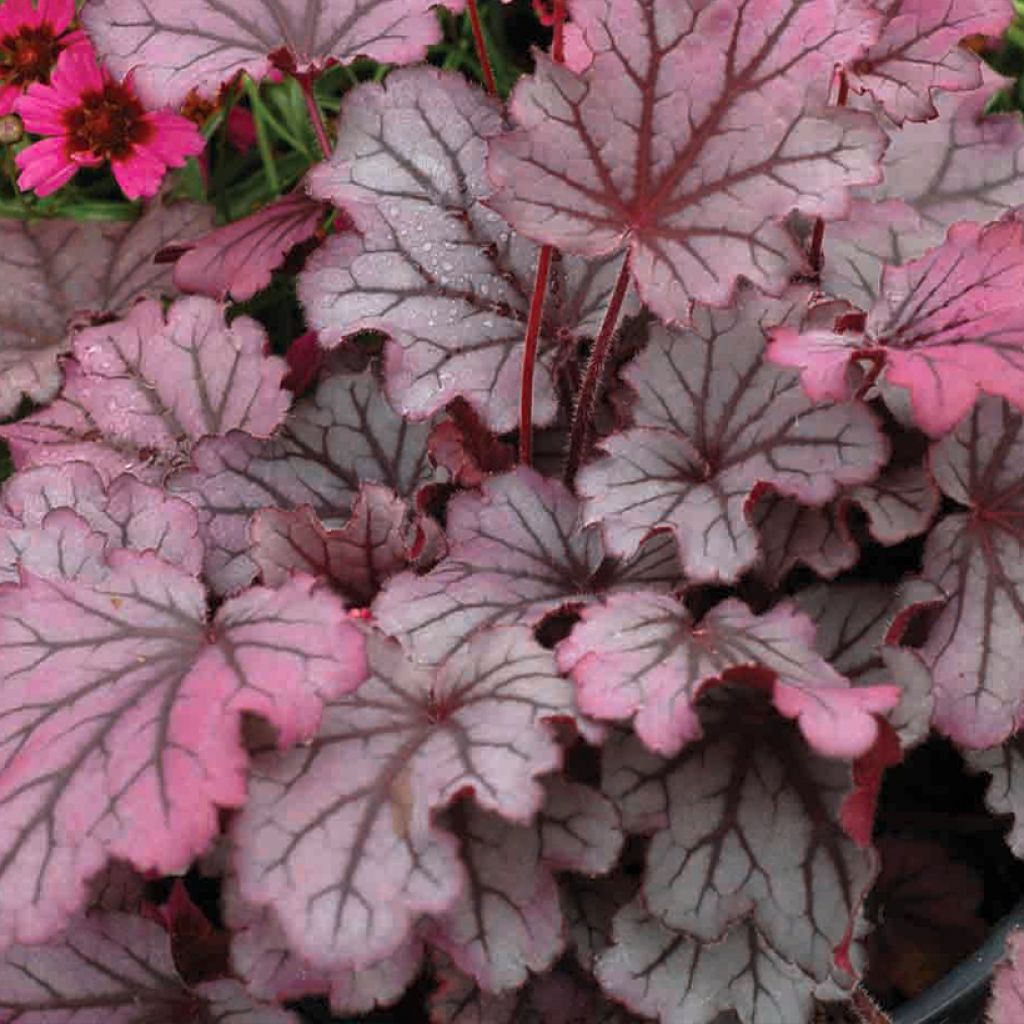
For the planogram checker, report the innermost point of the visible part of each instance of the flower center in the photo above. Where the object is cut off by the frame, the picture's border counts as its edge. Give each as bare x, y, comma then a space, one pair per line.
30, 55
107, 123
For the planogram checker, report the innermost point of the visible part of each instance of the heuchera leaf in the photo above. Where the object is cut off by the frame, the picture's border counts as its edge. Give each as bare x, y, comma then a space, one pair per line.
1005, 793
343, 435
751, 884
56, 271
377, 542
119, 719
589, 905
714, 423
144, 388
328, 859
974, 557
116, 968
964, 165
639, 655
919, 52
507, 922
696, 187
948, 326
260, 955
175, 46
1007, 1001
239, 258
900, 503
127, 513
557, 997
431, 267
853, 630
518, 552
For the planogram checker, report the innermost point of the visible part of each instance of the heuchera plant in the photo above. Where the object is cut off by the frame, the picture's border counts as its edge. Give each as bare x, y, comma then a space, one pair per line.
453, 629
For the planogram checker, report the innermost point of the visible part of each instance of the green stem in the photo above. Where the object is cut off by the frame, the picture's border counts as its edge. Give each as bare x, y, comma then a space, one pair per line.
261, 117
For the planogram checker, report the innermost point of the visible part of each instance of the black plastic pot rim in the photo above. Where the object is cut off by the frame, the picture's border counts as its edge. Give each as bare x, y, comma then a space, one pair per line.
966, 984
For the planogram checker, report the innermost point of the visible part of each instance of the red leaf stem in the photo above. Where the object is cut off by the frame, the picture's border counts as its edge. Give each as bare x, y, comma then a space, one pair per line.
481, 48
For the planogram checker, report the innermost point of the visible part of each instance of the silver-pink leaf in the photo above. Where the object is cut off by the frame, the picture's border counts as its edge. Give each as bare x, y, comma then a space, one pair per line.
1005, 793
375, 544
901, 503
640, 656
947, 326
963, 165
128, 513
678, 980
431, 267
143, 389
506, 923
343, 435
517, 553
260, 955
974, 557
695, 187
407, 743
752, 866
715, 424
113, 968
173, 46
919, 52
852, 623
56, 272
119, 719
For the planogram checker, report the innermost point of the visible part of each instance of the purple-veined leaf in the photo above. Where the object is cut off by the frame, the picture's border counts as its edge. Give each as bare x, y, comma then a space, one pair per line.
1005, 793
57, 271
919, 52
119, 719
261, 957
431, 267
640, 655
518, 552
961, 166
507, 922
696, 187
344, 435
239, 258
1006, 1004
714, 425
877, 232
118, 887
579, 828
375, 544
589, 906
560, 996
900, 503
679, 980
173, 46
113, 968
852, 624
948, 327
63, 546
128, 513
142, 389
750, 871
348, 867
974, 558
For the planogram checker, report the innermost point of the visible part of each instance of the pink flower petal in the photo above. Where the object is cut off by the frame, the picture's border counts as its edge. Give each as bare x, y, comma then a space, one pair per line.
8, 94
58, 13
17, 14
45, 167
140, 173
42, 109
175, 138
76, 72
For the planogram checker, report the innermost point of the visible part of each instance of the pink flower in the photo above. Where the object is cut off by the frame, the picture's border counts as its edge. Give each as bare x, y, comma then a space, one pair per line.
31, 40
92, 119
